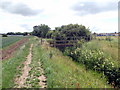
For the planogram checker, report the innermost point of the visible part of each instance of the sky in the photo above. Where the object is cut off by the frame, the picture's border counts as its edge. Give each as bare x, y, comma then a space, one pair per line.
100, 16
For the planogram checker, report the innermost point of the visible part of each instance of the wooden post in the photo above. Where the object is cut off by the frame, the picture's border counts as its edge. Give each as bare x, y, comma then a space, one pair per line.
41, 41
54, 42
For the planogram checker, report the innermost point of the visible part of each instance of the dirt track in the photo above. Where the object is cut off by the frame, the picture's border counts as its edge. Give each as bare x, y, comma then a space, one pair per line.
22, 79
20, 82
9, 51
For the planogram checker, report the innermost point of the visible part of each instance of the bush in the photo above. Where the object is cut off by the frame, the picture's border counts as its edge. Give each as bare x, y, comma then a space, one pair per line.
4, 35
96, 60
109, 39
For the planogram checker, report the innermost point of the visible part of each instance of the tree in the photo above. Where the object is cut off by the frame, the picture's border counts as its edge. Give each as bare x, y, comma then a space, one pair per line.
40, 30
4, 35
10, 33
25, 33
70, 34
72, 31
49, 34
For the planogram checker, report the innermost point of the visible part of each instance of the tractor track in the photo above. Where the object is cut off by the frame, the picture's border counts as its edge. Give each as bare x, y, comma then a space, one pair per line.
25, 71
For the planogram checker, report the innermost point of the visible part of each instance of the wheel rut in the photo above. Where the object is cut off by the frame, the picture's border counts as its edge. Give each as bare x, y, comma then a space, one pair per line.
27, 78
25, 71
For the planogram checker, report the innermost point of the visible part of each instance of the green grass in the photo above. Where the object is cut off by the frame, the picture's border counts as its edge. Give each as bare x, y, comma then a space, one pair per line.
35, 72
62, 72
6, 41
9, 66
110, 48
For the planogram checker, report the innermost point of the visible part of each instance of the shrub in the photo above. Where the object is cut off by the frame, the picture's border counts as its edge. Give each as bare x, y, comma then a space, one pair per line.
109, 39
4, 35
96, 60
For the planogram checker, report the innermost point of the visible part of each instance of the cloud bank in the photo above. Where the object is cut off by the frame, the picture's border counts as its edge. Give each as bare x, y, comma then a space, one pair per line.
85, 8
19, 8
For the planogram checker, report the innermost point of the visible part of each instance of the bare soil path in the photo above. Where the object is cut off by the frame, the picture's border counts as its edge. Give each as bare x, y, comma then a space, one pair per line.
22, 79
20, 82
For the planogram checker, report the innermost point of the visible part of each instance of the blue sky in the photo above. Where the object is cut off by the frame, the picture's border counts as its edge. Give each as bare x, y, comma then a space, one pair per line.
21, 15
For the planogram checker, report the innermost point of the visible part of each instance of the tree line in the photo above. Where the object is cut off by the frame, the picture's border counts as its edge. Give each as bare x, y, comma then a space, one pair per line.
16, 33
44, 31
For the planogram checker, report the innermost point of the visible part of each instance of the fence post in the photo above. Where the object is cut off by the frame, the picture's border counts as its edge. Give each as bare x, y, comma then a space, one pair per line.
41, 40
54, 41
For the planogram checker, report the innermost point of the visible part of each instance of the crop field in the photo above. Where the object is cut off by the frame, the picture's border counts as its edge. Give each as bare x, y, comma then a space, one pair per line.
6, 41
10, 44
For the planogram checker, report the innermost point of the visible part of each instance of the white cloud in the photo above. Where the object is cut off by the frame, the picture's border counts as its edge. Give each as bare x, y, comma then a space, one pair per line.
57, 13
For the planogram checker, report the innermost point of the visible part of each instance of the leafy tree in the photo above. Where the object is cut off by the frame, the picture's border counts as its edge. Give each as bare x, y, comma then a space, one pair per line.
49, 34
41, 30
4, 35
69, 34
71, 31
25, 33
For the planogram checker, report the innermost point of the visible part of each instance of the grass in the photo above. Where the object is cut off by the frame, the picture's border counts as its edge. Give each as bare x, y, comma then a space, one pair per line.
9, 66
62, 72
110, 48
35, 72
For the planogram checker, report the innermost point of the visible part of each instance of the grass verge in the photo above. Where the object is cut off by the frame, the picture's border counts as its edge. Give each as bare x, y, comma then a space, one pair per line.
62, 72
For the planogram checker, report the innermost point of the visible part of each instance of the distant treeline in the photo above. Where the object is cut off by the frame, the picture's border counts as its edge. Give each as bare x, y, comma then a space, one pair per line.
16, 33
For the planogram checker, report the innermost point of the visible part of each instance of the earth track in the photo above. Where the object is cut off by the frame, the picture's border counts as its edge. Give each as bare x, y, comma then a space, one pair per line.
30, 66
25, 71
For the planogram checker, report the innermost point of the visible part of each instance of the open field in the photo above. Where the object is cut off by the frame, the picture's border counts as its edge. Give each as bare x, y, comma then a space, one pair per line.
6, 53
6, 41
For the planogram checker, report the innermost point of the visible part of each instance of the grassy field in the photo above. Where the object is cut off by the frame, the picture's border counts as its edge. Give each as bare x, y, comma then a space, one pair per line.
6, 41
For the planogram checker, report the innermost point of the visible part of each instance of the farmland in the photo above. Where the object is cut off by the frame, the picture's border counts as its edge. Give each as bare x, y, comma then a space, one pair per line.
10, 44
9, 67
60, 44
32, 62
56, 68
6, 41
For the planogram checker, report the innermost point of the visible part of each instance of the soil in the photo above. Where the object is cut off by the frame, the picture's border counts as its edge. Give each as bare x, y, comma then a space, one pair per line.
20, 82
25, 71
7, 53
42, 78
